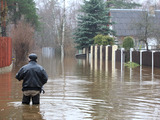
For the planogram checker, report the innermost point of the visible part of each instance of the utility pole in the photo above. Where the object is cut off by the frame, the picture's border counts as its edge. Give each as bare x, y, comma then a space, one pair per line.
3, 12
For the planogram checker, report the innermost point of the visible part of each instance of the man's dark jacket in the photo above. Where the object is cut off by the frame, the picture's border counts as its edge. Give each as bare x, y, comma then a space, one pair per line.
33, 75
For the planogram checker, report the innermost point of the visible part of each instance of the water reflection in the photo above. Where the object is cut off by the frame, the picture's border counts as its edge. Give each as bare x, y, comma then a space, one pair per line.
82, 90
31, 113
17, 111
48, 52
5, 82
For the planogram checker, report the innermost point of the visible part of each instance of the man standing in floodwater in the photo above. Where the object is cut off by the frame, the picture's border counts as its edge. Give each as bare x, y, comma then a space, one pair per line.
34, 77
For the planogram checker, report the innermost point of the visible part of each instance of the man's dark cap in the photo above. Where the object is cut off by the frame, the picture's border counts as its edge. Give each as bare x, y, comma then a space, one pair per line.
33, 56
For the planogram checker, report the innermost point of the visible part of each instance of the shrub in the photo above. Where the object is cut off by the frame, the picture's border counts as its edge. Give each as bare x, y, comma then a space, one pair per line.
131, 64
128, 43
98, 39
103, 40
23, 40
107, 40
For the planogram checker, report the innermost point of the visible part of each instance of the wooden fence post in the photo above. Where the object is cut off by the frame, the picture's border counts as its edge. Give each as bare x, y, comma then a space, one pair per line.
141, 58
131, 49
91, 50
152, 63
91, 57
106, 58
101, 56
122, 58
114, 48
96, 57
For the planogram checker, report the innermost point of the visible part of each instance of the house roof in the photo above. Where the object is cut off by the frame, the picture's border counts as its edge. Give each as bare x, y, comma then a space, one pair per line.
126, 20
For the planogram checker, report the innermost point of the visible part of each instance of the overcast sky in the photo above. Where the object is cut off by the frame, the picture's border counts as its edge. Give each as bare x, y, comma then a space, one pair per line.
141, 1
68, 1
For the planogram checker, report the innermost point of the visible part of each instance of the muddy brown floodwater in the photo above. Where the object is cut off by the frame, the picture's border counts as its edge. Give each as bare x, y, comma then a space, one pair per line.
77, 91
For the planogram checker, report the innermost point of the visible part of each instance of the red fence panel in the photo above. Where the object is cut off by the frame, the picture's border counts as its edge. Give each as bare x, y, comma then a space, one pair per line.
5, 51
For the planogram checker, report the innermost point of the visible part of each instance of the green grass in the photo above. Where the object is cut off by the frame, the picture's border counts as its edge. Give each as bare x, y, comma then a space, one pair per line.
131, 64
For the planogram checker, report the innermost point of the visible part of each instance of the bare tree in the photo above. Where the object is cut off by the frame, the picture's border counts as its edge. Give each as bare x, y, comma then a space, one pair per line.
57, 27
146, 26
23, 40
63, 28
154, 23
47, 12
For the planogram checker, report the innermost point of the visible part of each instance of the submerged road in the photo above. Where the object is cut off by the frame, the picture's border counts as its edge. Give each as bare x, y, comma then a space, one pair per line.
77, 91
